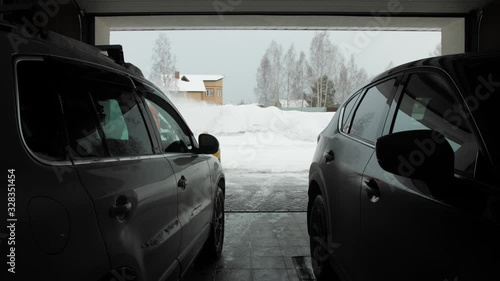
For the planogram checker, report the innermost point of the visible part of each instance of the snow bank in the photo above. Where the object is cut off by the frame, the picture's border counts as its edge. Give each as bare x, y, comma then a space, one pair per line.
255, 139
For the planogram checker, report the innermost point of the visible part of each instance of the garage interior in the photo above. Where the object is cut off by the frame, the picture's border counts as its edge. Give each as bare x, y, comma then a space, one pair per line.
465, 25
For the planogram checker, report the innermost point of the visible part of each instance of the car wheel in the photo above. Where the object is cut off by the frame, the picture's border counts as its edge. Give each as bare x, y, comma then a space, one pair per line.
320, 255
216, 240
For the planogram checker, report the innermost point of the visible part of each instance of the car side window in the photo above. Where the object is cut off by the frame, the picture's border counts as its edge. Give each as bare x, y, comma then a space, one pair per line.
371, 111
40, 111
102, 115
168, 125
348, 112
428, 103
85, 140
121, 121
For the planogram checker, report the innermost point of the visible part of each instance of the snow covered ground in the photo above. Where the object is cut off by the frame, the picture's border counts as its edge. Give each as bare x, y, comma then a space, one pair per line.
258, 140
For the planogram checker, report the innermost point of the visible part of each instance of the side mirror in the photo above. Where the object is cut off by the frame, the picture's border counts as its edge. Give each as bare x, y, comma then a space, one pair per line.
208, 144
423, 155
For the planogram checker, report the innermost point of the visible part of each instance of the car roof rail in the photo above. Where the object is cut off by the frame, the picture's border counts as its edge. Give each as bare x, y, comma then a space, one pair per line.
115, 52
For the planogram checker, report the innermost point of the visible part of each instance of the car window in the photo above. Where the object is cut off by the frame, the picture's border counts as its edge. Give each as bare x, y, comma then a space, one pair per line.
121, 120
102, 117
348, 112
480, 77
371, 111
428, 103
40, 111
85, 140
173, 132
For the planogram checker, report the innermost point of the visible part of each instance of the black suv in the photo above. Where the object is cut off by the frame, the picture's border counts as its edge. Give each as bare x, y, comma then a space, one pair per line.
105, 179
404, 181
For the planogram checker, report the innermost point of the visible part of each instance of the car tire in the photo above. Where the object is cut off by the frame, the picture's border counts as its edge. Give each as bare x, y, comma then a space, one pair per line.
215, 241
318, 241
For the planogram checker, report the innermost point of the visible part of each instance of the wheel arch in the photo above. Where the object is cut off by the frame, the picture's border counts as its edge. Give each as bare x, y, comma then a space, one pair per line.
316, 187
221, 182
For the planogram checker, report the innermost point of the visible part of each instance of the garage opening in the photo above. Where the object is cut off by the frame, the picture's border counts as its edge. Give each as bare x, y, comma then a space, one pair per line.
266, 91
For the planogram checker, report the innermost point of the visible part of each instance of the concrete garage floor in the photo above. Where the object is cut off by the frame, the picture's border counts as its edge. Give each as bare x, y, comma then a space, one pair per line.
266, 192
260, 247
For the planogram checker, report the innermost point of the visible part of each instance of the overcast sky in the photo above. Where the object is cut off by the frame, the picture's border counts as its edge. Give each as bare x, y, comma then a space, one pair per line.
236, 54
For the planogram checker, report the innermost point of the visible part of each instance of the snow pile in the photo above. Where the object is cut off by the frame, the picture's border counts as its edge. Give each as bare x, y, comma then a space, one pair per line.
254, 139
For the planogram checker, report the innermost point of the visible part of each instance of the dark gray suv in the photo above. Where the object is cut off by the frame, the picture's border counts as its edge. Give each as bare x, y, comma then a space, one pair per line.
404, 181
105, 179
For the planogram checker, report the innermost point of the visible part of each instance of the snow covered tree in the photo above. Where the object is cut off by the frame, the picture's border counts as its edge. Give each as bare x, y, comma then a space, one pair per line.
163, 64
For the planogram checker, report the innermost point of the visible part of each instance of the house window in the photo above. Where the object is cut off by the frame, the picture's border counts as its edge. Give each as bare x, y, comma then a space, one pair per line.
219, 92
210, 92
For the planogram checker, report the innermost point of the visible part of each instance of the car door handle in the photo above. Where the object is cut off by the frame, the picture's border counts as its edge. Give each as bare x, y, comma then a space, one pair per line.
121, 208
182, 183
329, 156
372, 189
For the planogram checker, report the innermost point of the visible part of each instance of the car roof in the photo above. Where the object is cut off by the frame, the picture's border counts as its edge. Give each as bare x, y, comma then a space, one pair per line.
445, 63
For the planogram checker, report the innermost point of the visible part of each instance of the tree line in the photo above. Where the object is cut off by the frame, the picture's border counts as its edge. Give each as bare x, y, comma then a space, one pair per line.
323, 80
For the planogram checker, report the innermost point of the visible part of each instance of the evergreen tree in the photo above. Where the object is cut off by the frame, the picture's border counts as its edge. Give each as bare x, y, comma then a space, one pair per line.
323, 92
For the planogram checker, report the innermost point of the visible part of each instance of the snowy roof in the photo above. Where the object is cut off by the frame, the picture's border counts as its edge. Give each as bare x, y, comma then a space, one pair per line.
194, 85
192, 82
203, 77
186, 85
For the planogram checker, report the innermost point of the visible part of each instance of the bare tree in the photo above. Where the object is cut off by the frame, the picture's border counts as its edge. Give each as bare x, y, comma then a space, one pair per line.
163, 64
302, 79
322, 53
275, 53
264, 81
286, 77
290, 68
270, 76
350, 76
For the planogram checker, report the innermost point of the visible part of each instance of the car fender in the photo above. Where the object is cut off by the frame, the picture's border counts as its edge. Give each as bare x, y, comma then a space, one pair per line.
217, 173
316, 175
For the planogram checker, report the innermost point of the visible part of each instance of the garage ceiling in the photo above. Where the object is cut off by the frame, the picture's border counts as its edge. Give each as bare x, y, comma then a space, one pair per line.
340, 7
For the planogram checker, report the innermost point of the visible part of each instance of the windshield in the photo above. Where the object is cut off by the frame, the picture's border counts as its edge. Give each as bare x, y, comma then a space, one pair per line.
481, 79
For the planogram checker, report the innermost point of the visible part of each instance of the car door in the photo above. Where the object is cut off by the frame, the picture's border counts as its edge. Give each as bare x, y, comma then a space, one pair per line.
134, 191
346, 155
56, 231
192, 173
412, 230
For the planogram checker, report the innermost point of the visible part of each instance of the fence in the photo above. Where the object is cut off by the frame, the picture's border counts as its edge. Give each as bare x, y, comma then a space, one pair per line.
310, 109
